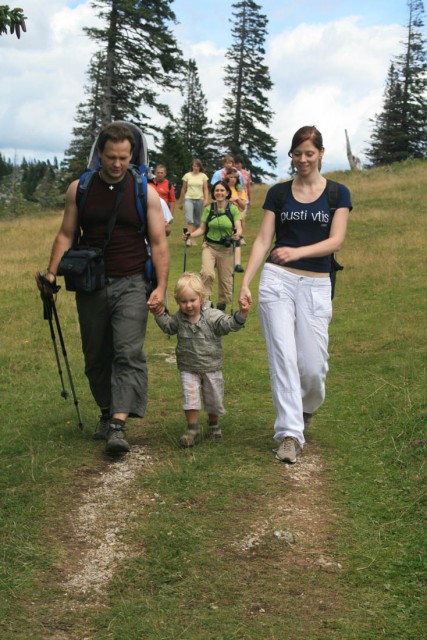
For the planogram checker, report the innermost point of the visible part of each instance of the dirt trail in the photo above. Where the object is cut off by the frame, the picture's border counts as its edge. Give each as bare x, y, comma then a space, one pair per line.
106, 509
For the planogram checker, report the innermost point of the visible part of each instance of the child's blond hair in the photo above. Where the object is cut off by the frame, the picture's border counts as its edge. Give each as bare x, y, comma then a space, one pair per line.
191, 281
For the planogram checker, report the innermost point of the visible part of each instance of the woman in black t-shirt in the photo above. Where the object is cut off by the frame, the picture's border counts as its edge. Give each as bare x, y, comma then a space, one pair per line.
295, 288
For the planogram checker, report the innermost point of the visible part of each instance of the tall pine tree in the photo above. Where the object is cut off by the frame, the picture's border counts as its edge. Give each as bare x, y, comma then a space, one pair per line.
141, 57
193, 124
88, 121
173, 154
246, 116
137, 57
400, 130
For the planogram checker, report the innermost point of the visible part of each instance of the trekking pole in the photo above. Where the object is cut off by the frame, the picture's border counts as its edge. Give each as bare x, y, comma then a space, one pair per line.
185, 230
48, 316
234, 264
49, 311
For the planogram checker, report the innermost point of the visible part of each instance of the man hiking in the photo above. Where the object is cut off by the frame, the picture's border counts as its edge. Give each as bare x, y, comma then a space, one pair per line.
113, 320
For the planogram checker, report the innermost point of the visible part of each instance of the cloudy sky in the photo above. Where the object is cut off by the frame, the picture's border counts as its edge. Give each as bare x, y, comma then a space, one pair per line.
328, 61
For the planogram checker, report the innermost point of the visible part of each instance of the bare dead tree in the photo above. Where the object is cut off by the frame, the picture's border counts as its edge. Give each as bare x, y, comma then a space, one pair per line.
355, 163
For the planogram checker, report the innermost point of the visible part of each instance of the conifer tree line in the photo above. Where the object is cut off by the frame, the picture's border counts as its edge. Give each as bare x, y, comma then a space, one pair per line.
138, 59
400, 129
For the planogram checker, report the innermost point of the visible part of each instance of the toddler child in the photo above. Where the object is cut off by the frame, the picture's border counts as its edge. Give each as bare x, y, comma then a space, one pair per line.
199, 330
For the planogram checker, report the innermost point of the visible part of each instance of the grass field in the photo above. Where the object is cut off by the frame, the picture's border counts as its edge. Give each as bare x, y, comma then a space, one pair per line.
223, 542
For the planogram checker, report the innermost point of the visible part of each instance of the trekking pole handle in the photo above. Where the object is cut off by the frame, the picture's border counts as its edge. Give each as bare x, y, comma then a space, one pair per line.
50, 286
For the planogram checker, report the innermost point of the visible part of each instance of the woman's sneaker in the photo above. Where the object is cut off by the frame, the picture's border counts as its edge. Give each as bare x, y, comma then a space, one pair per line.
288, 450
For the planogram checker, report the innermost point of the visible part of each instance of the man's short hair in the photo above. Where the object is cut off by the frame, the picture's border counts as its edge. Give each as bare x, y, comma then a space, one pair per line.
115, 133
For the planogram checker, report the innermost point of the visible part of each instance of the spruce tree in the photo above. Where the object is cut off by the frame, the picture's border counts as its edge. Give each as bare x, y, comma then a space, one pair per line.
174, 154
137, 57
141, 57
88, 121
193, 124
12, 18
246, 115
388, 140
400, 130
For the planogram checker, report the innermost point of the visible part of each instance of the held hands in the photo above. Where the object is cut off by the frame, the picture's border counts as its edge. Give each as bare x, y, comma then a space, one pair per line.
244, 306
245, 300
155, 302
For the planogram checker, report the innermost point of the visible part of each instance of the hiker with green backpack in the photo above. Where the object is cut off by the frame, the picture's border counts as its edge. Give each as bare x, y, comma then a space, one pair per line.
306, 221
221, 227
112, 231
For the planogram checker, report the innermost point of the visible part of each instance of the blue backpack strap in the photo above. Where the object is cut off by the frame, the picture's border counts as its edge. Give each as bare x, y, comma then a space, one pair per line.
141, 197
84, 183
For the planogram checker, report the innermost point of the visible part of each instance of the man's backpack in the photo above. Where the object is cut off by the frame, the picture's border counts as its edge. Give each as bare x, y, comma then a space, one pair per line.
138, 168
332, 195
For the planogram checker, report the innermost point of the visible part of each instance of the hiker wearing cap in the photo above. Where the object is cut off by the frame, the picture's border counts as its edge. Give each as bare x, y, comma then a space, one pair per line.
113, 319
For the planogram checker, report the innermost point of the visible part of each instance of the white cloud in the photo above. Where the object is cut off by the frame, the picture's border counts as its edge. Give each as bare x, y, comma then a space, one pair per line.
43, 76
331, 74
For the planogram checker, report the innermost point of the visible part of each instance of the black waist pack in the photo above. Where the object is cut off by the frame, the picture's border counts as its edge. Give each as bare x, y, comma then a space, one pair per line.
83, 269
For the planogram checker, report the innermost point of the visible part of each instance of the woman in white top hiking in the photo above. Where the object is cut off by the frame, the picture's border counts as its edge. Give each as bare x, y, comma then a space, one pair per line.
194, 194
295, 305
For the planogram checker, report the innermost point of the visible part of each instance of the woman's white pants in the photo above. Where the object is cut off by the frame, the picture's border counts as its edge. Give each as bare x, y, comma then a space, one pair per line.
295, 312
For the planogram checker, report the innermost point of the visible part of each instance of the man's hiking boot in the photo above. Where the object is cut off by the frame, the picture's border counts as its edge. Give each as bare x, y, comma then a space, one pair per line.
238, 268
308, 418
288, 450
215, 432
191, 437
102, 428
116, 439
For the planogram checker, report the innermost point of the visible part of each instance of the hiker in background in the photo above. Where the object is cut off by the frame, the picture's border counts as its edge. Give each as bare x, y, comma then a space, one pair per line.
199, 358
221, 225
247, 178
164, 187
113, 320
238, 197
194, 195
228, 164
295, 288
